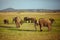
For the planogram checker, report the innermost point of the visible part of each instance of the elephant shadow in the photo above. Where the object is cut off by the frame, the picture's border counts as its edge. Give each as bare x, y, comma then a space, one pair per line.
17, 29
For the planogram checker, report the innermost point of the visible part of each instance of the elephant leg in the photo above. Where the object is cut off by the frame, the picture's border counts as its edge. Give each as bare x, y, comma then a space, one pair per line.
28, 21
32, 21
7, 22
49, 27
35, 26
4, 22
17, 25
41, 27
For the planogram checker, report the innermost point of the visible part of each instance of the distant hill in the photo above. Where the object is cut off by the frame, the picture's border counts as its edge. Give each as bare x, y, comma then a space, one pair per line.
9, 9
29, 10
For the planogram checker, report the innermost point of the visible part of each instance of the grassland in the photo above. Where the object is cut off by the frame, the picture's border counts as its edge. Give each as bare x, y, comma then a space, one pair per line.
27, 31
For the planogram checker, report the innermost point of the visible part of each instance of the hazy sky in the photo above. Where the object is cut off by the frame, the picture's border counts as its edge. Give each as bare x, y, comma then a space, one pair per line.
30, 4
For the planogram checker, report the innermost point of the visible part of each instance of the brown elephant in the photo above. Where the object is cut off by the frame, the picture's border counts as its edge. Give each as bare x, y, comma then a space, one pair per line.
45, 22
29, 19
6, 21
17, 22
21, 21
35, 23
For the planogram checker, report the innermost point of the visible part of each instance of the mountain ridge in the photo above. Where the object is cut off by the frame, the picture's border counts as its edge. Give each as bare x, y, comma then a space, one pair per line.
33, 10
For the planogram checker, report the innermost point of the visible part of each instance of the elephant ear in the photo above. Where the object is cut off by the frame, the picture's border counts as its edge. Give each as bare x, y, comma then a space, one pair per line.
52, 20
21, 22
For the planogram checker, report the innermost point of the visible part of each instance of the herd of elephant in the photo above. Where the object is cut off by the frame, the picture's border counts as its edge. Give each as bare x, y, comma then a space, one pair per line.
41, 22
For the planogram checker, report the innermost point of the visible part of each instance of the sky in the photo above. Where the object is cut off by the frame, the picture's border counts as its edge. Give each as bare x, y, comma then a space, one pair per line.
30, 4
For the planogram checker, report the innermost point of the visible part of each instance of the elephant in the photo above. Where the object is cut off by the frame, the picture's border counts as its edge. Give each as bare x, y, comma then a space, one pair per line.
29, 19
35, 23
6, 21
17, 21
21, 21
45, 22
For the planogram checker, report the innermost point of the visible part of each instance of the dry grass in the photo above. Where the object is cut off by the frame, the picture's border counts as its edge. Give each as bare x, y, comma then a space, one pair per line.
27, 31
